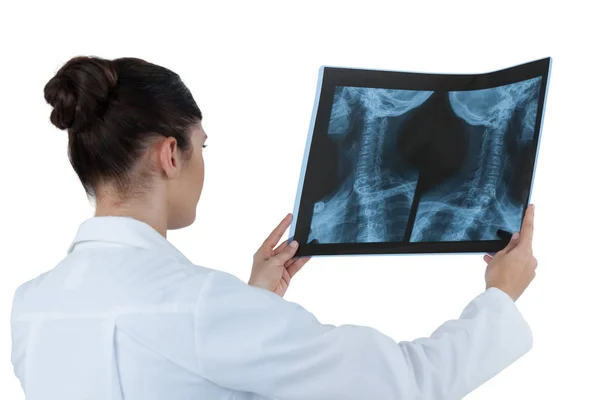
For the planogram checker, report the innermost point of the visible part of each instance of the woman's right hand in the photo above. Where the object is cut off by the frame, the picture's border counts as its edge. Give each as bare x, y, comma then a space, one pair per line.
274, 267
513, 268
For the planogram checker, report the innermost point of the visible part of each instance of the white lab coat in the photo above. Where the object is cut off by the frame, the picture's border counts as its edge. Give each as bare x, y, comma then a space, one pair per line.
126, 316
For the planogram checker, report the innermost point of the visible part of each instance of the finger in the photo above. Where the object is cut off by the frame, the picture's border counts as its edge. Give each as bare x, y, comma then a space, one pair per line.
278, 232
281, 246
514, 241
286, 254
296, 265
487, 258
527, 227
304, 260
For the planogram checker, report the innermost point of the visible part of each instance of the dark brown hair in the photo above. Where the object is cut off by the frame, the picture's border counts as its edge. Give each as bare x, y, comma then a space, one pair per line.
111, 109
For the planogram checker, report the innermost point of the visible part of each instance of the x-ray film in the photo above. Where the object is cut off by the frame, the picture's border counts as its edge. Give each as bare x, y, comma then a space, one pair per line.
404, 162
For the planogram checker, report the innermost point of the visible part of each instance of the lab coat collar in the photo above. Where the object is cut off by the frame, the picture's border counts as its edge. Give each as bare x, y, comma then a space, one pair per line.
124, 230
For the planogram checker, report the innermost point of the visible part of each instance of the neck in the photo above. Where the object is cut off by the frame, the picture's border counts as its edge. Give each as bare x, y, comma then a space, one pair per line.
151, 212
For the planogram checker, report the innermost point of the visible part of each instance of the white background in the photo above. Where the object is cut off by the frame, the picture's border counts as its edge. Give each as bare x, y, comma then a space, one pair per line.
252, 67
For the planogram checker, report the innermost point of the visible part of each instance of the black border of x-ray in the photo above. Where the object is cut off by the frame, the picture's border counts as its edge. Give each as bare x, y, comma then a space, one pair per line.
330, 77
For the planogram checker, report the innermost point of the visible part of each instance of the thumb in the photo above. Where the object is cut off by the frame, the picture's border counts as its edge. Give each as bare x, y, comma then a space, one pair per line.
287, 253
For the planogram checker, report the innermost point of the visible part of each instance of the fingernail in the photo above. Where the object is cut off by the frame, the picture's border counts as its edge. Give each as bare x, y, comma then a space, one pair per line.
515, 236
533, 206
294, 244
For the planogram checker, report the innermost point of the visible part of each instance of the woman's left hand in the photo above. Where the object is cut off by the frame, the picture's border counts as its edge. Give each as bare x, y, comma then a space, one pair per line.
274, 267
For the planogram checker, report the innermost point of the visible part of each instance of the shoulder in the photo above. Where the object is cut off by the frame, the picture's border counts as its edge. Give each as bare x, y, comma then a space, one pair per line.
24, 293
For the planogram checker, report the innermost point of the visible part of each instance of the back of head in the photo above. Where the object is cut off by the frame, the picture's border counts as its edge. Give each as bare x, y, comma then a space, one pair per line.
111, 110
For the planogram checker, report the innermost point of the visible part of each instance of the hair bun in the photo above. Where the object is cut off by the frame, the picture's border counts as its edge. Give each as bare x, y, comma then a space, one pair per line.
80, 91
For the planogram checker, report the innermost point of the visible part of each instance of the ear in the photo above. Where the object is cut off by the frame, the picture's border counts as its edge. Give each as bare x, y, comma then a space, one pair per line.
169, 157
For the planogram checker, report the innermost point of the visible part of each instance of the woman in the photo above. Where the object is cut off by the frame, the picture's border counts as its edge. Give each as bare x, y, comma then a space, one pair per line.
125, 315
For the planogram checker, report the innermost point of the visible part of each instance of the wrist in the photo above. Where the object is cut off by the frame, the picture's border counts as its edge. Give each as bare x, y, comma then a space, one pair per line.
501, 289
253, 281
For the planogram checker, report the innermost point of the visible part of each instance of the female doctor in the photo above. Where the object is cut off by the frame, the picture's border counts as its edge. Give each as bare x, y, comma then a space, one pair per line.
125, 315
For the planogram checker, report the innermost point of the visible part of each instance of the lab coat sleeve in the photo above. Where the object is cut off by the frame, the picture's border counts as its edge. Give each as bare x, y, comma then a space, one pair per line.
251, 340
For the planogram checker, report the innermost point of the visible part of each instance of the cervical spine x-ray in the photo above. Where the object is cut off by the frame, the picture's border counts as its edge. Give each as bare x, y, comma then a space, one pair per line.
410, 166
426, 166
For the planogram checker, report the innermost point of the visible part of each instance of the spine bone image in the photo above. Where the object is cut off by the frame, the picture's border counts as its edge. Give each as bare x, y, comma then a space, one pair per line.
427, 166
